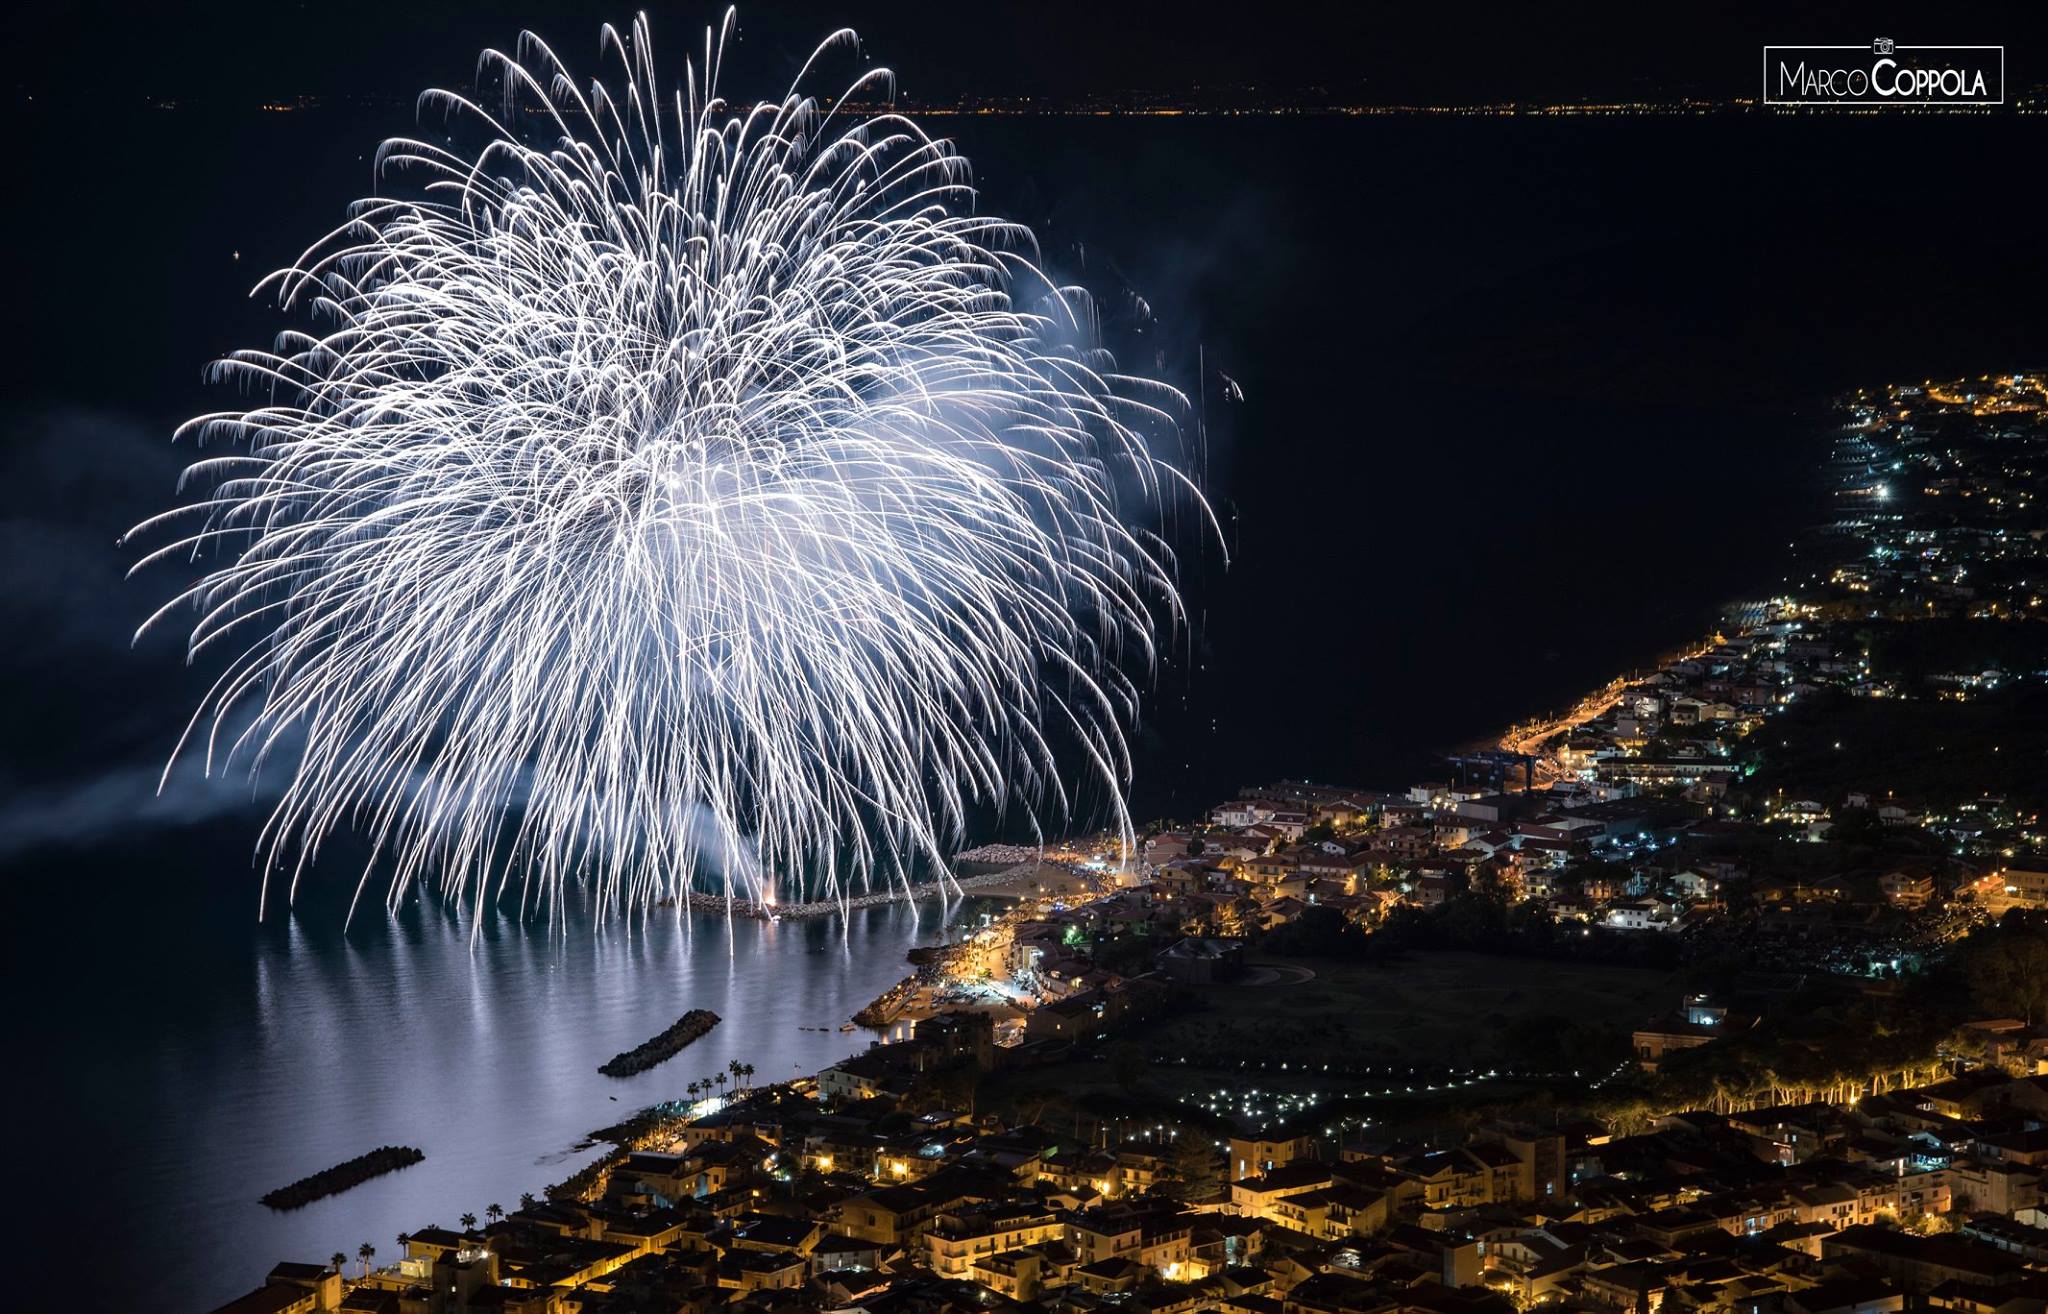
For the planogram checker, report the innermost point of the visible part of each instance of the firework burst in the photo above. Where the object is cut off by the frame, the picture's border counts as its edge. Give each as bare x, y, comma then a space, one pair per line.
671, 487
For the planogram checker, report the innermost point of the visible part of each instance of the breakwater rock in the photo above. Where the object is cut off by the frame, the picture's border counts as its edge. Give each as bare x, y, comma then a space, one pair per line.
663, 1047
335, 1180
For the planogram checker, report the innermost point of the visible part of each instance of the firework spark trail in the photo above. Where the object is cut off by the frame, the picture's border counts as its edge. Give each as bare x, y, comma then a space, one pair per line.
671, 480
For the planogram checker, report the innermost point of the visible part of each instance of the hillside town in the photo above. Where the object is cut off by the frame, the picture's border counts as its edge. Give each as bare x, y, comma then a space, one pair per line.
1725, 990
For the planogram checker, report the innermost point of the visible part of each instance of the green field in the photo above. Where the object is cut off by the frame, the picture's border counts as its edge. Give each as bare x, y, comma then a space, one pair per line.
1432, 1011
1457, 1009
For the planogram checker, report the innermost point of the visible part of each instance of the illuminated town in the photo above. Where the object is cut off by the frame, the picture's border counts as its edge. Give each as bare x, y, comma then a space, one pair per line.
1706, 994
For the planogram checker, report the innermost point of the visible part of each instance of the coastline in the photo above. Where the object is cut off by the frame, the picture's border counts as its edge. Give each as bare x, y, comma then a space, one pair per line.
1533, 736
989, 884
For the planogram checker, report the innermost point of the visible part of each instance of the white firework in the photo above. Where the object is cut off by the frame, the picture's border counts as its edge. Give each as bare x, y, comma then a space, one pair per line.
672, 487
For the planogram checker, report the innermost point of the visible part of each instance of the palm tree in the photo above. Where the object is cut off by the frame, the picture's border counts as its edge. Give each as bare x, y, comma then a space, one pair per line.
747, 1070
336, 1260
735, 1067
404, 1240
468, 1222
693, 1088
494, 1212
366, 1252
720, 1079
526, 1200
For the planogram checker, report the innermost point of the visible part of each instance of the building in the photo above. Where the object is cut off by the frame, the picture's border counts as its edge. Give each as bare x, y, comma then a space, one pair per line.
1252, 1156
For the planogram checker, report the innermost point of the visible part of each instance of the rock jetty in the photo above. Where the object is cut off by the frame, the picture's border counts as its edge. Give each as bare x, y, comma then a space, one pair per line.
663, 1047
335, 1180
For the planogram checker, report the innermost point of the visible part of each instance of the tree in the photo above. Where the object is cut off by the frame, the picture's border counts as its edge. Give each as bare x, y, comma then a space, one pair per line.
404, 1240
468, 1222
366, 1252
526, 1200
336, 1260
1855, 826
2007, 967
747, 1071
720, 1079
1126, 1064
949, 1085
735, 1068
494, 1211
692, 1090
1191, 1172
1320, 932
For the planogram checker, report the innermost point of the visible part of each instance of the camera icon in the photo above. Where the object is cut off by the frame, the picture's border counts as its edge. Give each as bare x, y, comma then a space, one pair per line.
1882, 46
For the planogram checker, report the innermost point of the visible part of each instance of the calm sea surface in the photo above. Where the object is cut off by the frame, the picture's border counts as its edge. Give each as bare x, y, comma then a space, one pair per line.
281, 1050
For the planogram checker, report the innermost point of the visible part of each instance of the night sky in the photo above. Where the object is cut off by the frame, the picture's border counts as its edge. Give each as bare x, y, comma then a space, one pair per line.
1485, 363
1444, 52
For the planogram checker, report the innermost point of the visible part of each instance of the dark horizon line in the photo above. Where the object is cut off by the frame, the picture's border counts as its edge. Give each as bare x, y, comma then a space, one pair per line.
1143, 104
